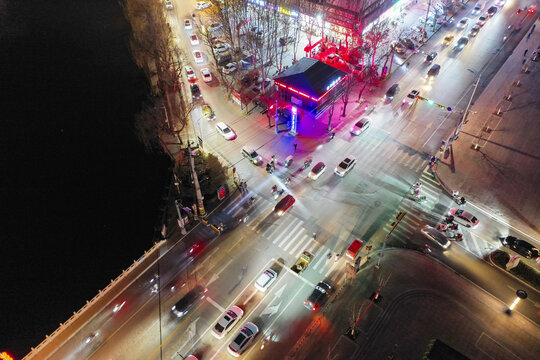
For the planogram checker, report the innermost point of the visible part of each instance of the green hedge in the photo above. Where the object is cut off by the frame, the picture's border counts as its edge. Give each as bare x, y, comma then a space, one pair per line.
522, 271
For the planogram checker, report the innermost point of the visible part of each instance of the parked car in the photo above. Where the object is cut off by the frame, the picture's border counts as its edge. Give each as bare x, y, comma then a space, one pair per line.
194, 39
317, 170
206, 75
398, 48
391, 92
433, 71
257, 89
284, 204
360, 126
345, 166
464, 218
225, 131
229, 68
168, 5
522, 247
266, 279
221, 47
197, 55
189, 301
190, 73
462, 23
318, 297
285, 40
215, 27
436, 236
227, 321
201, 5
408, 43
411, 97
195, 91
243, 339
187, 24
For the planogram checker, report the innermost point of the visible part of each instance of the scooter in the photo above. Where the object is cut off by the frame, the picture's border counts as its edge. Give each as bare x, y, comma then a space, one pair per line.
288, 161
307, 163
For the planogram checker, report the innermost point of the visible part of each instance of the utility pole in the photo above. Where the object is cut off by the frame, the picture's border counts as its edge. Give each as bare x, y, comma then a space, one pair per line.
460, 123
198, 193
425, 23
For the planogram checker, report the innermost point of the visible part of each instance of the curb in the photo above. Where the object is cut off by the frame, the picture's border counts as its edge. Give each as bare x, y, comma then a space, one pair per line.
490, 261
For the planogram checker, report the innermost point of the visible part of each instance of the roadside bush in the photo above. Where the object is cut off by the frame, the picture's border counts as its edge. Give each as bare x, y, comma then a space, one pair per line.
522, 271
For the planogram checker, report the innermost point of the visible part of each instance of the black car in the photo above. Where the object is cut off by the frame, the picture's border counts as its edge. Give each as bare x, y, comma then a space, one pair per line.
189, 301
431, 57
434, 71
318, 296
195, 91
392, 91
520, 246
492, 10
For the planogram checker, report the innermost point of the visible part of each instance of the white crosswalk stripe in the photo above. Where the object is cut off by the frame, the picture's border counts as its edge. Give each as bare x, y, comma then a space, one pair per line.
292, 240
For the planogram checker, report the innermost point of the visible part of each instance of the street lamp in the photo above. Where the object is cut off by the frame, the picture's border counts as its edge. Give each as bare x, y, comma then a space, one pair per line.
521, 294
460, 123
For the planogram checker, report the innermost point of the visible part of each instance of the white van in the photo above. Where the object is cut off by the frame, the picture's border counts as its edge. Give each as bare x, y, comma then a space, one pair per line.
478, 8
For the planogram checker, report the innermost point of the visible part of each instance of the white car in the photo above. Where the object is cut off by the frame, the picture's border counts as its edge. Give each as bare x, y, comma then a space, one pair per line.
190, 73
225, 131
345, 166
229, 68
221, 48
187, 24
227, 321
265, 280
194, 39
500, 3
168, 5
360, 126
197, 55
201, 5
462, 23
411, 97
243, 339
206, 75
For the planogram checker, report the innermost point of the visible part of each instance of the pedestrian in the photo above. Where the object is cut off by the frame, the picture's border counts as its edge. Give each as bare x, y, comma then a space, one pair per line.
295, 145
523, 62
525, 52
314, 236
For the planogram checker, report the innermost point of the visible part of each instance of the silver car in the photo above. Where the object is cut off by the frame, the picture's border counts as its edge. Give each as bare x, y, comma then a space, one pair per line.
360, 126
436, 236
345, 166
227, 321
243, 339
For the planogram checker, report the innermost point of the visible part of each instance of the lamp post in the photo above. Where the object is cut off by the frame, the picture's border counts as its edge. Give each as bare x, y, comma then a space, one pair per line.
520, 295
460, 123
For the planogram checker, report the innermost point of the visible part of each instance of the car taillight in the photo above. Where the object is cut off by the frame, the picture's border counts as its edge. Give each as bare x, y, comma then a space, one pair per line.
313, 308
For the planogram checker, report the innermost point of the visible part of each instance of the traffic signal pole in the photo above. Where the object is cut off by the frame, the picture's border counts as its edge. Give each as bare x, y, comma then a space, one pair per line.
399, 217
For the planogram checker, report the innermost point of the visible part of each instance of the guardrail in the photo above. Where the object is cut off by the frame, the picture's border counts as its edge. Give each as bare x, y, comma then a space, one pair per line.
95, 302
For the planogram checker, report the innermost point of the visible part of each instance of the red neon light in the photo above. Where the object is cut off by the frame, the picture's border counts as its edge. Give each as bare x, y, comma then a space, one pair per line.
306, 95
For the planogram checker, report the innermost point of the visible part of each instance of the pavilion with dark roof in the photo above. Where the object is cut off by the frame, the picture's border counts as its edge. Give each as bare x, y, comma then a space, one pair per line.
310, 85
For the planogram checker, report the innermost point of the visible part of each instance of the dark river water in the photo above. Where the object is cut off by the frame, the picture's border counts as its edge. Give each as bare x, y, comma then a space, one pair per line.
79, 195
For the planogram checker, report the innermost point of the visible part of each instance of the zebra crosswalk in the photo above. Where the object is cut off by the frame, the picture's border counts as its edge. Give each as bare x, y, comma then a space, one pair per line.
291, 234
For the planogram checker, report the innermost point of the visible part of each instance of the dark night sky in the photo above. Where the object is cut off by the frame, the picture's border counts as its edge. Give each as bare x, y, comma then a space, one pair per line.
79, 195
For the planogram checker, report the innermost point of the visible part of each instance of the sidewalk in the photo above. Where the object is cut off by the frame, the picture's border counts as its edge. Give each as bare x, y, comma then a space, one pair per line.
496, 160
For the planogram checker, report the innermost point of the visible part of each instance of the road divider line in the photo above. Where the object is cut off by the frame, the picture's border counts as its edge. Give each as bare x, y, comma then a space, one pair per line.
216, 305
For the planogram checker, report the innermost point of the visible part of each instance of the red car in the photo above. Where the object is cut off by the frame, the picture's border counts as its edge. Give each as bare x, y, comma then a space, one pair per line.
284, 204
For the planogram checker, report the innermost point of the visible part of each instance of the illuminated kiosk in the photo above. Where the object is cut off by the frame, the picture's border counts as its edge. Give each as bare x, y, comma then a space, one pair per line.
310, 85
